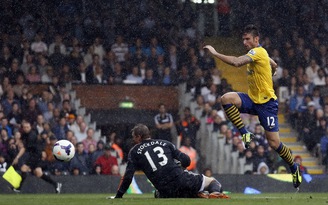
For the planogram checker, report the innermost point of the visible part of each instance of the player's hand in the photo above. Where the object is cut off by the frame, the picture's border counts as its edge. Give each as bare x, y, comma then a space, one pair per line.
113, 197
210, 49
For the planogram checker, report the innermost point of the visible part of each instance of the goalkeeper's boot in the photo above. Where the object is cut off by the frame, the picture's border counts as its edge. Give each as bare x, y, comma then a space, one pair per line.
297, 177
218, 195
247, 138
203, 194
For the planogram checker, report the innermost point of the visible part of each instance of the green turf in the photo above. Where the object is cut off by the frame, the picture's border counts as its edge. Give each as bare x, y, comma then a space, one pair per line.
147, 199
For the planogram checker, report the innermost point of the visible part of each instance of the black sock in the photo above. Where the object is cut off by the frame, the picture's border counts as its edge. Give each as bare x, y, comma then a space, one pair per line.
49, 180
214, 186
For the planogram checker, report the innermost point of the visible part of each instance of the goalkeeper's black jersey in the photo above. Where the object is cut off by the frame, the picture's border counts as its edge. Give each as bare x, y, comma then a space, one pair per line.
157, 159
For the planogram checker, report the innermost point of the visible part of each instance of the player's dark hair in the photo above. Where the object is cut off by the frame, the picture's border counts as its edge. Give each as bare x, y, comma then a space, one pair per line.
252, 29
141, 130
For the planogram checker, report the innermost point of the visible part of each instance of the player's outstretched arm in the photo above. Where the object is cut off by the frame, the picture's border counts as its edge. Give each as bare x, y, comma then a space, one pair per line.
231, 60
125, 180
274, 66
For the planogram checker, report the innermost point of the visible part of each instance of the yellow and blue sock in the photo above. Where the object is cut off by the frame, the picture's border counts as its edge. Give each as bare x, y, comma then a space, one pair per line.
233, 115
285, 153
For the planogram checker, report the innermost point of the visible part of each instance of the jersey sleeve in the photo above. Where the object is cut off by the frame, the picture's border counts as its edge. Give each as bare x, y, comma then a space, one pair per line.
254, 54
182, 157
128, 176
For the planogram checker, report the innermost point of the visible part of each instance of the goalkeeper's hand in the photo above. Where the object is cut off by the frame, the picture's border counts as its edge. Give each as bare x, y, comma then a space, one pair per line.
118, 195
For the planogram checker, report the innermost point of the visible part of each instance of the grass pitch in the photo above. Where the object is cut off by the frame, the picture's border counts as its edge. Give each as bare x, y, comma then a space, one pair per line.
148, 199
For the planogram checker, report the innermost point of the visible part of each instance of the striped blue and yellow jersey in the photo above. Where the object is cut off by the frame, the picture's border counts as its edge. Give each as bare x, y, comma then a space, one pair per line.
259, 76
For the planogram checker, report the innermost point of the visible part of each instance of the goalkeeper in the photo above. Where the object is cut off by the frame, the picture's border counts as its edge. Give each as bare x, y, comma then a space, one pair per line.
157, 159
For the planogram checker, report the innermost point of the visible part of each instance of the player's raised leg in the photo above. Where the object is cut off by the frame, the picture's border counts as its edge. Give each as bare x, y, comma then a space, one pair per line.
231, 102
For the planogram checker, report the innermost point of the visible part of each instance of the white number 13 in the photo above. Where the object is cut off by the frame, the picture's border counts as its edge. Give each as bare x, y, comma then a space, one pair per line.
160, 154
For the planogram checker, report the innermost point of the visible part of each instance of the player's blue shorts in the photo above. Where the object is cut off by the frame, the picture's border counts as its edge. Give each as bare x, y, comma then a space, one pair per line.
267, 112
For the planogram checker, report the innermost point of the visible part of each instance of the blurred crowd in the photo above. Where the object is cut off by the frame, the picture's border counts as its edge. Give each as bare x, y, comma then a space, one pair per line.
98, 42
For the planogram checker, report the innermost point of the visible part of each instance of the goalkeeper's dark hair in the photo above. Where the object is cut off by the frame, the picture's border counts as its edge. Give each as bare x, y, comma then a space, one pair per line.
252, 29
141, 130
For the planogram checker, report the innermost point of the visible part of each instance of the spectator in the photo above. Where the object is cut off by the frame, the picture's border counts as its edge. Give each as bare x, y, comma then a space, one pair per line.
42, 65
106, 161
260, 137
27, 63
33, 75
312, 70
67, 109
149, 78
5, 125
285, 78
31, 112
49, 113
3, 164
15, 116
308, 126
98, 152
120, 49
154, 45
282, 170
191, 152
58, 41
99, 49
60, 129
80, 76
224, 10
74, 60
56, 60
320, 79
14, 71
134, 77
109, 63
81, 134
99, 77
65, 74
115, 170
38, 46
295, 106
298, 160
116, 143
259, 157
164, 123
89, 139
188, 126
212, 95
6, 57
169, 77
118, 76
19, 86
262, 168
307, 84
79, 165
47, 76
38, 126
4, 141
